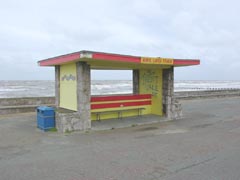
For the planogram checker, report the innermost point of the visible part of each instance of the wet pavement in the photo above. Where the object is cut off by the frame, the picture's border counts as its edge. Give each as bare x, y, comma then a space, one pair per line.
204, 145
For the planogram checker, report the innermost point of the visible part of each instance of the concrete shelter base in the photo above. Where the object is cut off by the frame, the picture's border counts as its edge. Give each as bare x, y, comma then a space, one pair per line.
126, 122
67, 121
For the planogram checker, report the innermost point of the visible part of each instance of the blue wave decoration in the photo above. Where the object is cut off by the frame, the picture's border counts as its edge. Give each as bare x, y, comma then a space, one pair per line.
69, 77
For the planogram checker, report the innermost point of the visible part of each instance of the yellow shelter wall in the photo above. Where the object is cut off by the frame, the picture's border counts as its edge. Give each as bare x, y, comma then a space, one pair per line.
68, 86
150, 82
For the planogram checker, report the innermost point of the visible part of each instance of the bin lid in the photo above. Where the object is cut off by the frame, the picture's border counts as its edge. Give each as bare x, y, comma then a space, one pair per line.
46, 108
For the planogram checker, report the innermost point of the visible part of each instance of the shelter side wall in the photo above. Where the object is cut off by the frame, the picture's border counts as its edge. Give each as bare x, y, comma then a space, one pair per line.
68, 86
150, 82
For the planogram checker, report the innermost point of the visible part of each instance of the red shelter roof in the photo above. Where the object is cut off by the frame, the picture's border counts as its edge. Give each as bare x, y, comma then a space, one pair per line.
99, 59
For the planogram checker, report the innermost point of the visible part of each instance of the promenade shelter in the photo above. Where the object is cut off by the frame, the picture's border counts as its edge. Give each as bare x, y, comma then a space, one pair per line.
153, 87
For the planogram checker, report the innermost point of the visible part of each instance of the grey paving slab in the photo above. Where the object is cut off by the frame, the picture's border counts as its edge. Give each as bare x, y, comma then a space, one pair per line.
204, 145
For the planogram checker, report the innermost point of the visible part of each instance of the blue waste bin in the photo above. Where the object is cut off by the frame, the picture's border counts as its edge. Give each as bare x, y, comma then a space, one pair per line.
45, 117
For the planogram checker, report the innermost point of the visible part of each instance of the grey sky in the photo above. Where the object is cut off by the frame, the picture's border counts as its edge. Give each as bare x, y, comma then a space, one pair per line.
34, 30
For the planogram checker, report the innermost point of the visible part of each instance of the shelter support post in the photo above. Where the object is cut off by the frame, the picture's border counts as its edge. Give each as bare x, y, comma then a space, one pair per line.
57, 86
135, 81
83, 96
171, 107
168, 94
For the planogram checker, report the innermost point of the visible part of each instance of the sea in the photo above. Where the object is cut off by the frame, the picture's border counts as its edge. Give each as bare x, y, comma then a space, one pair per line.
10, 89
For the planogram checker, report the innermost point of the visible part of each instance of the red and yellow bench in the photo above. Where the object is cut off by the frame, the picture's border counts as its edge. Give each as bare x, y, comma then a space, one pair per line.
118, 106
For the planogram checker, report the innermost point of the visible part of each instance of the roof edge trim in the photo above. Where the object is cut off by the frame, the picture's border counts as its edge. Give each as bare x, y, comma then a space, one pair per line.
107, 56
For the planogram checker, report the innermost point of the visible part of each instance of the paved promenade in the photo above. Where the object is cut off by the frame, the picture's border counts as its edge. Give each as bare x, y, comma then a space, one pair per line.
204, 145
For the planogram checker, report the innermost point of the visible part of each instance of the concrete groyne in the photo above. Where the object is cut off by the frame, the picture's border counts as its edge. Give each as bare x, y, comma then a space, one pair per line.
29, 104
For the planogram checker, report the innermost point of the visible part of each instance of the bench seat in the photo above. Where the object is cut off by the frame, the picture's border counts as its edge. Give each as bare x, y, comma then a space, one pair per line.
118, 111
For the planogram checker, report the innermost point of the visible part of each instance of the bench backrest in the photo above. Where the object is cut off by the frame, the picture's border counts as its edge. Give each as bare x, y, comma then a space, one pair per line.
120, 101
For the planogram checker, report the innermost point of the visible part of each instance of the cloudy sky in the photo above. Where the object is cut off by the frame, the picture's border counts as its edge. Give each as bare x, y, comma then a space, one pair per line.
207, 30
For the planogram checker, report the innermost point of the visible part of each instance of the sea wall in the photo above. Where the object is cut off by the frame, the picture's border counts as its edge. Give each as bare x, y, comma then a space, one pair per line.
29, 104
187, 95
25, 104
